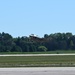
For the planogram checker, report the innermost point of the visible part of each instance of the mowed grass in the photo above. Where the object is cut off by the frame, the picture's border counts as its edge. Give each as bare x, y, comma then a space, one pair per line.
48, 52
37, 61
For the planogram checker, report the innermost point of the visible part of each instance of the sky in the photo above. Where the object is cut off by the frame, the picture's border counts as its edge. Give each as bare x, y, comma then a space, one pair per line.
25, 17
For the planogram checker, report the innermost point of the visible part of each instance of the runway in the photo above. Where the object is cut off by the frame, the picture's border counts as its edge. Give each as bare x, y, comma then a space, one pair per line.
38, 71
36, 54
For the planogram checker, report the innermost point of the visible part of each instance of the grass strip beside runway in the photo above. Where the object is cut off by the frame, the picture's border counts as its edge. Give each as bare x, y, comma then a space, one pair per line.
37, 61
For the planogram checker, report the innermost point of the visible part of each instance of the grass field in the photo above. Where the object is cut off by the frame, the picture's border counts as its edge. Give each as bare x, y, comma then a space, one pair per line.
48, 52
37, 61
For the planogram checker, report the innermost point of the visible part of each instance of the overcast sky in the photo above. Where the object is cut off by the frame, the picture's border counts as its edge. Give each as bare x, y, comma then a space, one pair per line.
25, 17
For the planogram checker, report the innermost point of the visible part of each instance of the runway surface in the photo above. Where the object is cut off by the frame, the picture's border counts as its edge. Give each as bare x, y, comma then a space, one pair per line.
38, 71
36, 54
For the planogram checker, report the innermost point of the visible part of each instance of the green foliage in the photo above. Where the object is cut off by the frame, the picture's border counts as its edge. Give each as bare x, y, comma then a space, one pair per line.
42, 48
16, 49
52, 42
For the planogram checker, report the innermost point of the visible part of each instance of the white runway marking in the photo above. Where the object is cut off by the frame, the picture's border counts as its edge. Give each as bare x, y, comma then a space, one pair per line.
38, 71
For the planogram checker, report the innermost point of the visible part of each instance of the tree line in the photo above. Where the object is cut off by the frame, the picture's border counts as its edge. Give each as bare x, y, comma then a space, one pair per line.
52, 42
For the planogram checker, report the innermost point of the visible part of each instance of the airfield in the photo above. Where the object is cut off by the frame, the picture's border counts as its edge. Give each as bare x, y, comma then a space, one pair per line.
38, 71
37, 54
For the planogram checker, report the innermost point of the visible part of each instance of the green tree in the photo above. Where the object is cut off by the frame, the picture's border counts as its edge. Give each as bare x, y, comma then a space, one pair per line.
71, 44
16, 49
42, 48
46, 36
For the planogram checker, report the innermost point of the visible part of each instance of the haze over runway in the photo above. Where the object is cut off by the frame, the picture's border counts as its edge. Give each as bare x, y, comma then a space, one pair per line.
38, 71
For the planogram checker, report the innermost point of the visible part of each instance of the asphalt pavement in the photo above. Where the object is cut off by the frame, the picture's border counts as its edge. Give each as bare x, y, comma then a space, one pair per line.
38, 71
35, 54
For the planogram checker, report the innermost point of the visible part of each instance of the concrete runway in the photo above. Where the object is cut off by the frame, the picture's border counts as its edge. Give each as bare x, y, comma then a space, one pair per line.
38, 71
36, 54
